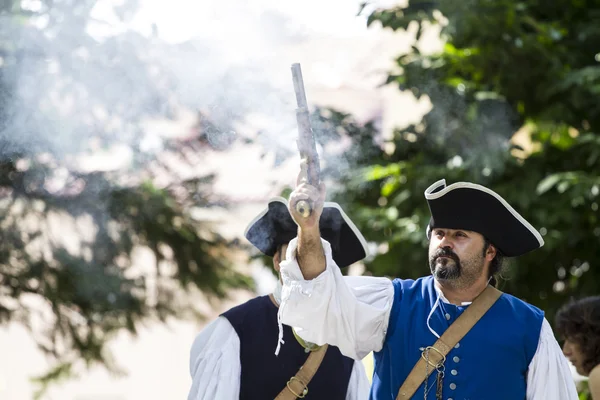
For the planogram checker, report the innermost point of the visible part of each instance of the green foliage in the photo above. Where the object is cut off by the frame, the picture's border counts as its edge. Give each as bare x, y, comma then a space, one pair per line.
70, 233
584, 390
529, 67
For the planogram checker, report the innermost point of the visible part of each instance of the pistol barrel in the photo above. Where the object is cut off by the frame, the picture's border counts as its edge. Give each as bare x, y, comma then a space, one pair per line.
299, 86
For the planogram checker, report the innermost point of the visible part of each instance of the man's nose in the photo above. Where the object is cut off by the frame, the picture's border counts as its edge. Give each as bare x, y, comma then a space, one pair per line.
446, 242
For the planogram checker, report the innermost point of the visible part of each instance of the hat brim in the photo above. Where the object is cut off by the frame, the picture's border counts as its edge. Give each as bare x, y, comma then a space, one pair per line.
468, 206
274, 226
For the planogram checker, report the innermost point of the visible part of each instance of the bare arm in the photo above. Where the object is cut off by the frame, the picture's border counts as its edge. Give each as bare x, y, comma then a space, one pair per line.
309, 253
594, 382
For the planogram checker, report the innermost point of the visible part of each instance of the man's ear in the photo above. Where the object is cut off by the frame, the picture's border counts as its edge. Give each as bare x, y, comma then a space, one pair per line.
490, 252
277, 260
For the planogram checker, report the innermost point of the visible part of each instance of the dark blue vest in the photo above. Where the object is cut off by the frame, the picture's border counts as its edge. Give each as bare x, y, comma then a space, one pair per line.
489, 363
264, 374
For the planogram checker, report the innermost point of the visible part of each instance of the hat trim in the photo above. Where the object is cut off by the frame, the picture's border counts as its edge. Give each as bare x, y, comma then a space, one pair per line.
357, 233
328, 204
429, 195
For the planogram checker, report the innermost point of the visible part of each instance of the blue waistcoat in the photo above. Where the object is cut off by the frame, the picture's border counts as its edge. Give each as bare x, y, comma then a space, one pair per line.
489, 363
264, 374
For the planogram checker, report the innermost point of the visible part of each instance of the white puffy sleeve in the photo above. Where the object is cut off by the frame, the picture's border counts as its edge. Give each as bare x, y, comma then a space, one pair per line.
358, 386
215, 363
351, 313
549, 376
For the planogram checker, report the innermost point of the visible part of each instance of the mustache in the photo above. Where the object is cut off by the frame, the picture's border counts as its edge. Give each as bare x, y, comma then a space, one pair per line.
445, 252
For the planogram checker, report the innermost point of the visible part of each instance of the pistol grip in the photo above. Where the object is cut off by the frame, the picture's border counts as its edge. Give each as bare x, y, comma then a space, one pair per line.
304, 208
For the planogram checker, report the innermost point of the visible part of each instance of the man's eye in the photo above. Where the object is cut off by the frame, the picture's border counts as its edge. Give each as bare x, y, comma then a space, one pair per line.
461, 234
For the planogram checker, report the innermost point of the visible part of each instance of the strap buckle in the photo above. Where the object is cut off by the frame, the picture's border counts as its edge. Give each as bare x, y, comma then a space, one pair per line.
442, 360
304, 392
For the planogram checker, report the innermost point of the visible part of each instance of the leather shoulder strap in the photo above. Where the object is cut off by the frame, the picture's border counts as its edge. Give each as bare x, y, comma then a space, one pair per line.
297, 386
454, 333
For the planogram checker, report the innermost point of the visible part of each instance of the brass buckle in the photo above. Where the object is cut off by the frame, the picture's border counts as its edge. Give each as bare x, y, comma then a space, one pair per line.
442, 361
304, 392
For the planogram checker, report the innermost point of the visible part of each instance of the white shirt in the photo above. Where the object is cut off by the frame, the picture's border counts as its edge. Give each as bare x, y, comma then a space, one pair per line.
352, 313
216, 369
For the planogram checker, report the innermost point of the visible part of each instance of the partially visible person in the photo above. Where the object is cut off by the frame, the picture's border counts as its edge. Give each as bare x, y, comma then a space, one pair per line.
578, 323
239, 355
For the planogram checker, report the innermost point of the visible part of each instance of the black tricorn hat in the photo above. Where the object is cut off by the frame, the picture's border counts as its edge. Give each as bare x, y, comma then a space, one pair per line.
275, 226
465, 205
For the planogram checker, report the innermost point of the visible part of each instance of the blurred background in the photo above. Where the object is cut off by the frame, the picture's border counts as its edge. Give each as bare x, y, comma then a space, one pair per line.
139, 138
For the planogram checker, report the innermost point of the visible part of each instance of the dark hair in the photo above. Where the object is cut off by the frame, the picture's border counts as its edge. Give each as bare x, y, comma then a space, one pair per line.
496, 264
579, 322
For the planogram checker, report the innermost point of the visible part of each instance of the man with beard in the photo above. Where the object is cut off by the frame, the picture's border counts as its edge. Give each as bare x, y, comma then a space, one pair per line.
450, 335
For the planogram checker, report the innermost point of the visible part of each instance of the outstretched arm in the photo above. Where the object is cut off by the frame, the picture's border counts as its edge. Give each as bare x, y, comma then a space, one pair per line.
323, 306
350, 312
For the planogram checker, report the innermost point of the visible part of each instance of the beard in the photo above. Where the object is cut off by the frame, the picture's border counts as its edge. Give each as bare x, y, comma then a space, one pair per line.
445, 265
